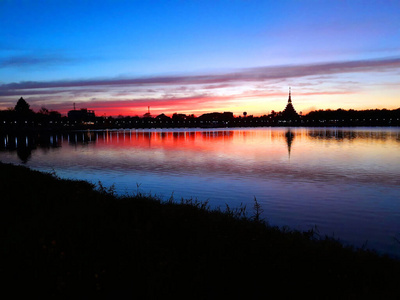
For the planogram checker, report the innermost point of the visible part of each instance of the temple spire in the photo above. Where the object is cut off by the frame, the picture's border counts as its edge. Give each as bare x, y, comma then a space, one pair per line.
289, 113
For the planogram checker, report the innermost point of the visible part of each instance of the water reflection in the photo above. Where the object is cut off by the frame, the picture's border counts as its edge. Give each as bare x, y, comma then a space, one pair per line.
25, 145
350, 134
289, 140
148, 138
318, 155
344, 180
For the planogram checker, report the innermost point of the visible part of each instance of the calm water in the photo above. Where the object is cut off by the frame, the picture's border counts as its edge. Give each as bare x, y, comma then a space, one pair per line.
344, 181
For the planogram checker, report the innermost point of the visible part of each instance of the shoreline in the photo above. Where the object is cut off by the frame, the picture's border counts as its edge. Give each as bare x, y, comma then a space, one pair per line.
28, 131
65, 236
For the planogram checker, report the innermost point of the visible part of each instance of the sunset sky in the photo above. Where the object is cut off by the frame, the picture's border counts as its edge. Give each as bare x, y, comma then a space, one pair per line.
119, 57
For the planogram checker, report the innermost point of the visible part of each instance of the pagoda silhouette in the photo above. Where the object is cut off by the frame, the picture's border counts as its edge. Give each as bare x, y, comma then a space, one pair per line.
289, 113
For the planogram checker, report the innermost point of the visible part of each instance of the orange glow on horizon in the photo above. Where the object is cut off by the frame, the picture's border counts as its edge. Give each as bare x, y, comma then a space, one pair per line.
253, 103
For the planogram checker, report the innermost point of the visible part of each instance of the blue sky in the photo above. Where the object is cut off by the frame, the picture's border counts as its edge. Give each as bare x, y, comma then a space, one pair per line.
118, 57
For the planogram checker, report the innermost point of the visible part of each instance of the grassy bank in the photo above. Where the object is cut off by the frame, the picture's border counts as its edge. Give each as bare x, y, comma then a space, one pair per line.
65, 238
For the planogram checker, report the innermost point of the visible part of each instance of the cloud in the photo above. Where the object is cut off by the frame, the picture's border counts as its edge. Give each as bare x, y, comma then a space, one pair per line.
243, 75
24, 61
187, 93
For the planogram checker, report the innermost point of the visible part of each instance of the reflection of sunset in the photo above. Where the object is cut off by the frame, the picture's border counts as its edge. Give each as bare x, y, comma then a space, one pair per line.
302, 153
229, 143
253, 140
266, 152
301, 176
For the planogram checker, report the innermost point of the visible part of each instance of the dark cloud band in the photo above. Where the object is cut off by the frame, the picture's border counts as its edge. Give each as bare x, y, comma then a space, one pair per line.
242, 75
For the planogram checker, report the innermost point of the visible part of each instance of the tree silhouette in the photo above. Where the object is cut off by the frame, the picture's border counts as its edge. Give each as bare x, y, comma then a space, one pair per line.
22, 106
43, 111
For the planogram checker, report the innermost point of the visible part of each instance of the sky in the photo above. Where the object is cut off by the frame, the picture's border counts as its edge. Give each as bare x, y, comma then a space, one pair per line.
194, 57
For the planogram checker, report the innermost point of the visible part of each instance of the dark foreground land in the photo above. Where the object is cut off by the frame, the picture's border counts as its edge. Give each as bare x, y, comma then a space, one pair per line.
66, 239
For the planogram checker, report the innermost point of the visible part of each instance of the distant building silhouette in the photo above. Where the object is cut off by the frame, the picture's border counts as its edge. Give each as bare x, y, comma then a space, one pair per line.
289, 113
148, 114
83, 115
216, 116
162, 118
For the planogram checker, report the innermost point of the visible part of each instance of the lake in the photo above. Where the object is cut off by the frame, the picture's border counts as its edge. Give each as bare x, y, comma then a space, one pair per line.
343, 181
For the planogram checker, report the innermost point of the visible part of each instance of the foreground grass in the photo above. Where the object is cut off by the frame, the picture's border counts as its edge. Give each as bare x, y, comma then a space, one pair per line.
64, 238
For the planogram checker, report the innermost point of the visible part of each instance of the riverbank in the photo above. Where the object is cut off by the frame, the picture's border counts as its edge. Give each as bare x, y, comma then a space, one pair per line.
67, 238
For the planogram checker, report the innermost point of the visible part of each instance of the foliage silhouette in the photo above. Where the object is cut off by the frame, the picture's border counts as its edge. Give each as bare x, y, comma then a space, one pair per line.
65, 238
22, 107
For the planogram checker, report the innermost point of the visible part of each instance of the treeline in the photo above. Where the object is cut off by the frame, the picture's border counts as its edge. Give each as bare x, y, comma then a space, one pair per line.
351, 117
21, 117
